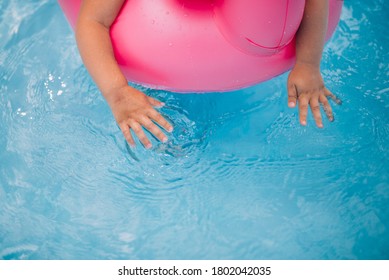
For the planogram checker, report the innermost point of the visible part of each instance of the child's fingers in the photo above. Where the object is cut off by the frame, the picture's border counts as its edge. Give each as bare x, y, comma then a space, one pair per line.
327, 107
315, 108
127, 134
152, 128
161, 121
303, 109
154, 102
137, 128
332, 96
292, 95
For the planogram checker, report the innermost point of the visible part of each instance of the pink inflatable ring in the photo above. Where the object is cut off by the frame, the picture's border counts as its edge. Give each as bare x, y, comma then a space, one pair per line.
205, 45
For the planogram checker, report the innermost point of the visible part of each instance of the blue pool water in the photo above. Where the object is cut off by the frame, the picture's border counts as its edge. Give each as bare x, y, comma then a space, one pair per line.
238, 179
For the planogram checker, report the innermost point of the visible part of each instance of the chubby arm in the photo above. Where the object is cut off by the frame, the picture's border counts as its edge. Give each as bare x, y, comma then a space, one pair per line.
305, 83
94, 43
131, 108
311, 34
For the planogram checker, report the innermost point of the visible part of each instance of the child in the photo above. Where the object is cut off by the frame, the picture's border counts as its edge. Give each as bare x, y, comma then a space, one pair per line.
134, 110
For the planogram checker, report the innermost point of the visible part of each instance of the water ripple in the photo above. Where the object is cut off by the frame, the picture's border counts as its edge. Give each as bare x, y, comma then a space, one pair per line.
19, 252
239, 177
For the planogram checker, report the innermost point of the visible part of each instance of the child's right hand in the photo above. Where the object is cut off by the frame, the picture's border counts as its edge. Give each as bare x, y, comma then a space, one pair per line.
133, 109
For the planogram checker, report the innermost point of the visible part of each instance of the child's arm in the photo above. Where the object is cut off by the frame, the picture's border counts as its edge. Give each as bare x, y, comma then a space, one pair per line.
131, 108
305, 83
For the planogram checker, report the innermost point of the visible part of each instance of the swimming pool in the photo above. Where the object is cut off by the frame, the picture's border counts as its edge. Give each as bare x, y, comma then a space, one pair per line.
238, 179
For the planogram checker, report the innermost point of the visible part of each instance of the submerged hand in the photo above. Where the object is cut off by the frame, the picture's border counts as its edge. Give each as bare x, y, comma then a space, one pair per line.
306, 86
133, 110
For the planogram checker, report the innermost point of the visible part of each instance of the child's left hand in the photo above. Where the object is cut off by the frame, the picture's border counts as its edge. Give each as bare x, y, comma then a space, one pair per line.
306, 86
